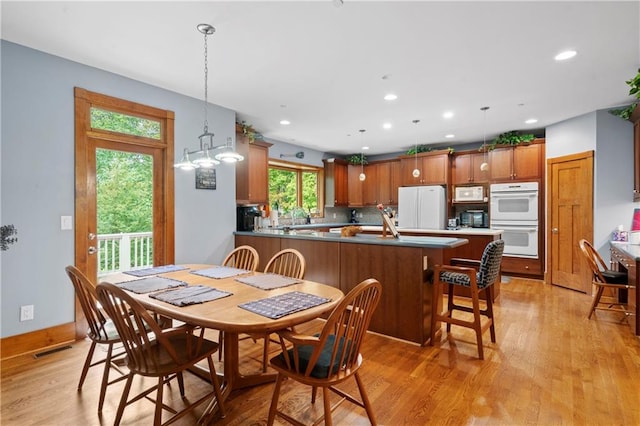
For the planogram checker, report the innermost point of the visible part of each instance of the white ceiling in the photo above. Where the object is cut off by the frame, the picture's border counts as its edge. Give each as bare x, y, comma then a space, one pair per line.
321, 66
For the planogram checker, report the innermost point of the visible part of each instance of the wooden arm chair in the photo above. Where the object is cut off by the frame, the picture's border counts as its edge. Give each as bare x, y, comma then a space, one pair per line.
166, 357
603, 278
101, 331
477, 282
287, 262
330, 357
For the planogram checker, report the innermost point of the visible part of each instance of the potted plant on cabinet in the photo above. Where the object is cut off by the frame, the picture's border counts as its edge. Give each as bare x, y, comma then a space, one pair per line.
634, 90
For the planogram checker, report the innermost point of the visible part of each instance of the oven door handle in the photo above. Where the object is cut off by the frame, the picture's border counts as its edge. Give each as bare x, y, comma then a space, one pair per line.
503, 195
513, 228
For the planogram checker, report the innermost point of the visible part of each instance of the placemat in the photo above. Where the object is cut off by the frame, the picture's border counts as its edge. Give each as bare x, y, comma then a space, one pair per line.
219, 272
284, 304
268, 281
147, 285
190, 295
155, 270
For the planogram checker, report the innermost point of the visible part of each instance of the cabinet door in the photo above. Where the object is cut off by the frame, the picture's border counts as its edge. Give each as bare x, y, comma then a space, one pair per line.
335, 178
434, 170
384, 183
371, 185
406, 169
477, 175
461, 170
500, 164
394, 182
258, 163
527, 162
355, 186
341, 185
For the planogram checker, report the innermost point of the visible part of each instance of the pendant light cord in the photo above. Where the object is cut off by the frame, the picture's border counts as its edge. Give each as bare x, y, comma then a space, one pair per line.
206, 85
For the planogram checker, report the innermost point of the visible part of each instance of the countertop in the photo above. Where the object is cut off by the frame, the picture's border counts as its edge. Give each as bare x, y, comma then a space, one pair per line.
320, 225
632, 250
461, 231
406, 241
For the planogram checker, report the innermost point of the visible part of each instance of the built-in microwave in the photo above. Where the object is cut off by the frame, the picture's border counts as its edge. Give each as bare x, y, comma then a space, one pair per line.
468, 193
474, 219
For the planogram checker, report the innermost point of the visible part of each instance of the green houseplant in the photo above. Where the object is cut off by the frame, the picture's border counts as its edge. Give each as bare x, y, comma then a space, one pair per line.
512, 138
634, 90
357, 159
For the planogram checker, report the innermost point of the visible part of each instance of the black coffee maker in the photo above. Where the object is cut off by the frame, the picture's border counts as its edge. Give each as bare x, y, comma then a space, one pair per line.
245, 217
354, 215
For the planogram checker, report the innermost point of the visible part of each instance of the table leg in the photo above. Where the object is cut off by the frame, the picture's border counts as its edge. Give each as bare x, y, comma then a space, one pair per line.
232, 376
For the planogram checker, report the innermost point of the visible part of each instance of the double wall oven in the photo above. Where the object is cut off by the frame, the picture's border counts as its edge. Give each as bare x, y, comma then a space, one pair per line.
514, 210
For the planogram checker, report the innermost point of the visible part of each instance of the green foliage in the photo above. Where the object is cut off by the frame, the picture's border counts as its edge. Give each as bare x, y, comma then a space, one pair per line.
248, 130
634, 90
121, 123
511, 138
427, 148
283, 189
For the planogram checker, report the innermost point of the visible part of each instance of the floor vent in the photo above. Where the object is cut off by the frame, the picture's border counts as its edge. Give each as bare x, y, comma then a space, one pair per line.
52, 351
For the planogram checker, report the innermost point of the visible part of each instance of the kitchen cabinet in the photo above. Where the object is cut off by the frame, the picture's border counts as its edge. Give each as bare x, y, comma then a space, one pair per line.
252, 174
336, 183
370, 186
517, 163
355, 187
388, 182
466, 168
433, 166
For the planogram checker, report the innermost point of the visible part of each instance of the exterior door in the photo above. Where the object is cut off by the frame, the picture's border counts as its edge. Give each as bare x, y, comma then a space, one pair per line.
570, 213
138, 129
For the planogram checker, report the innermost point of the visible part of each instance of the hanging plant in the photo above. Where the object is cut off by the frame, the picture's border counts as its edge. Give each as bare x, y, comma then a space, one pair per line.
511, 138
634, 90
357, 159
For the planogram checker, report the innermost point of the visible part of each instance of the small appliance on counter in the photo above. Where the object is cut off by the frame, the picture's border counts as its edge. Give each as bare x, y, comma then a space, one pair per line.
354, 215
246, 217
474, 219
453, 224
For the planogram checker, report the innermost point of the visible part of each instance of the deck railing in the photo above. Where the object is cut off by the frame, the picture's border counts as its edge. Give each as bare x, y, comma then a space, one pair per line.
124, 252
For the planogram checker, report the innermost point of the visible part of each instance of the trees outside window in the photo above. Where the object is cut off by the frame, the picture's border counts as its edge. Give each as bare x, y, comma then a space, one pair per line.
293, 186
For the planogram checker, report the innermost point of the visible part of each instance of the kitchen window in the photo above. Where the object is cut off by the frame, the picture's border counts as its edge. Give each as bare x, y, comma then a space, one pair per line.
292, 185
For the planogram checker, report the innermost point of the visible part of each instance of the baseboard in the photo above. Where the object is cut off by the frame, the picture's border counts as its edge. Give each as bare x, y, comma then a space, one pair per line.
37, 341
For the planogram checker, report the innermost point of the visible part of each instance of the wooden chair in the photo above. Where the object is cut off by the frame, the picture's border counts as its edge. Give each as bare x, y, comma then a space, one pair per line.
477, 281
604, 278
165, 357
330, 357
101, 331
242, 257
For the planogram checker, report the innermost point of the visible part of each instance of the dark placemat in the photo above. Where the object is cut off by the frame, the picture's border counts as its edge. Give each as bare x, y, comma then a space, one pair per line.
268, 281
219, 272
155, 270
190, 295
284, 304
147, 285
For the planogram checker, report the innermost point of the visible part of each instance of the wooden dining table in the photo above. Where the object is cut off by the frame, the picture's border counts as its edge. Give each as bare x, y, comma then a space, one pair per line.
225, 315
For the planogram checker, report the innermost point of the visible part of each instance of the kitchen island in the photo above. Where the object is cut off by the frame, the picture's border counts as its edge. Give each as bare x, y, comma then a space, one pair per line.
401, 265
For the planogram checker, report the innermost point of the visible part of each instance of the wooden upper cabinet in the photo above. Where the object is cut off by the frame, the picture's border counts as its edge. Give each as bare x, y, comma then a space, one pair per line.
388, 182
355, 186
518, 163
252, 174
371, 185
335, 174
433, 166
466, 169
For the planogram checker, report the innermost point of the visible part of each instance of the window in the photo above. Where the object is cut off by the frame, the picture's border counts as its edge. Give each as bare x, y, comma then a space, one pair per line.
292, 185
124, 123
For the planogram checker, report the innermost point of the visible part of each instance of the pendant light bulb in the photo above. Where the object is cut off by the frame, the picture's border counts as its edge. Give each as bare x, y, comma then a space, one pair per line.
416, 173
362, 177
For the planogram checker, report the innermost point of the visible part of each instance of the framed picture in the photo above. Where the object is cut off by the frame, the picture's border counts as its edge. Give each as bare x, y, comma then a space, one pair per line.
390, 225
205, 178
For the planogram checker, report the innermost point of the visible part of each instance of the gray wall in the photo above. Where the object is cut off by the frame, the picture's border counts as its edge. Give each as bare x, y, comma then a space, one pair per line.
612, 140
37, 180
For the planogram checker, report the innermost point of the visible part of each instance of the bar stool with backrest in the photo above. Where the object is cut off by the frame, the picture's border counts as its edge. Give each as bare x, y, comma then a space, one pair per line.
101, 331
604, 278
477, 282
165, 356
330, 357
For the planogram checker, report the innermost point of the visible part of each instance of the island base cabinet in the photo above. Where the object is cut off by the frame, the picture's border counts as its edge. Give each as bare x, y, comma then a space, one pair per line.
406, 303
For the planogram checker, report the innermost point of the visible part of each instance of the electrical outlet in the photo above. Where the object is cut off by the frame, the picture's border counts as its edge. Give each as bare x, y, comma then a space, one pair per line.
334, 215
26, 313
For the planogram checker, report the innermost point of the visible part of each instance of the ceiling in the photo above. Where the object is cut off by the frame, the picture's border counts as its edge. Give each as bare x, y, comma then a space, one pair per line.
326, 67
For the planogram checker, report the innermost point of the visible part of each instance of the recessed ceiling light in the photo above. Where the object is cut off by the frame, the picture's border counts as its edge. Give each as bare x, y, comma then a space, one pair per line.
390, 97
364, 148
531, 121
387, 126
567, 54
285, 122
447, 114
450, 135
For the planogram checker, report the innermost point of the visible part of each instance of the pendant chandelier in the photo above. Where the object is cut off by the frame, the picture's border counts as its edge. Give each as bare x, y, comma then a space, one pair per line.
485, 164
416, 171
362, 176
203, 155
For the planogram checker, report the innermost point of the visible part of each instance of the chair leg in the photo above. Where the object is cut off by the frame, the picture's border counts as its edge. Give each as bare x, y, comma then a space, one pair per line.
180, 383
327, 406
216, 387
450, 306
87, 364
221, 344
274, 400
596, 301
157, 417
123, 400
105, 377
365, 399
489, 295
477, 324
265, 353
314, 393
436, 304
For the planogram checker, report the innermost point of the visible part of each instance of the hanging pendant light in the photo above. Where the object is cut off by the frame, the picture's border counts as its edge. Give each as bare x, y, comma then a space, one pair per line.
362, 176
204, 158
416, 171
485, 164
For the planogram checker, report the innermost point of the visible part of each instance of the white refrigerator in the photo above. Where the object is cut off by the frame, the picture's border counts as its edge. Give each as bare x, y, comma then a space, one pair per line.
422, 207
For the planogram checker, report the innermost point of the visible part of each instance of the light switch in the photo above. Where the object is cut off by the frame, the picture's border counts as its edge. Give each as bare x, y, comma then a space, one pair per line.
66, 223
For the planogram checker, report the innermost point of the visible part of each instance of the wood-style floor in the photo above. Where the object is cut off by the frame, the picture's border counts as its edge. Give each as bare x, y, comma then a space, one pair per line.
550, 366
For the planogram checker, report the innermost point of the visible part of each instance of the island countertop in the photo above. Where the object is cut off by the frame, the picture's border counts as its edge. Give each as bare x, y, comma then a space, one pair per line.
452, 232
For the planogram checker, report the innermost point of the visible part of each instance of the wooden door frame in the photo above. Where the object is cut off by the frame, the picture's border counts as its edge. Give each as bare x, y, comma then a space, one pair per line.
588, 155
87, 140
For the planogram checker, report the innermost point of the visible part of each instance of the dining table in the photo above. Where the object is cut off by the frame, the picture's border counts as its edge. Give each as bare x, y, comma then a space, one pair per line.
227, 313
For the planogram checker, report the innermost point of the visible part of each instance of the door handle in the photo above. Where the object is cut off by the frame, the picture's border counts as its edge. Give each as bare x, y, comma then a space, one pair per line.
554, 230
92, 250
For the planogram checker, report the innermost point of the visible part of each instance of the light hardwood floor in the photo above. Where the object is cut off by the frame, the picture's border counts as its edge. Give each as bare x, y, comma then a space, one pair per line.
550, 366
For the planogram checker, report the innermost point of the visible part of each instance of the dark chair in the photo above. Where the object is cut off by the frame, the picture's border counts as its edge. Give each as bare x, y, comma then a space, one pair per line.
604, 278
476, 281
330, 357
165, 357
101, 331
